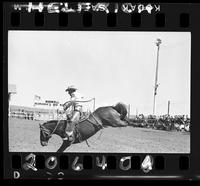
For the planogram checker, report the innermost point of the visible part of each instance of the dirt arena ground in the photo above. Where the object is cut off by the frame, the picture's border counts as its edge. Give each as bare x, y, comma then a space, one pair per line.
24, 137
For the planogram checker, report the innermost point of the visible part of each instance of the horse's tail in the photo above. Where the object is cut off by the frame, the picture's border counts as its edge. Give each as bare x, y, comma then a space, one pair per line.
121, 109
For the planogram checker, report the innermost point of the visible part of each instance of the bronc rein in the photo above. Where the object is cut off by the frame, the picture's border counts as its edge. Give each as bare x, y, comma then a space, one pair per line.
45, 130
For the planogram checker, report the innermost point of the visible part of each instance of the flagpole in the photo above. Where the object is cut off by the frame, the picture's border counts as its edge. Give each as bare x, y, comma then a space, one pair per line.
94, 104
158, 42
129, 110
168, 108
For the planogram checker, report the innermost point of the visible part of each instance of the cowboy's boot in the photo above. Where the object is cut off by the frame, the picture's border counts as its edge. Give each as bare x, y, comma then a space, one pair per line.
69, 136
68, 131
65, 129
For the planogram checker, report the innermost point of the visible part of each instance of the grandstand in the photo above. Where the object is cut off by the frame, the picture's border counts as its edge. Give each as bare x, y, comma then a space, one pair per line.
33, 113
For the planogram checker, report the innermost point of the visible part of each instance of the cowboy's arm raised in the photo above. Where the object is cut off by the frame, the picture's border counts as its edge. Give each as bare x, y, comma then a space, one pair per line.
84, 100
81, 98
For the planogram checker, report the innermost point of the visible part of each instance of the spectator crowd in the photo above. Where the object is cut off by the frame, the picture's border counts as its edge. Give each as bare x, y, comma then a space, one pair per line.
164, 122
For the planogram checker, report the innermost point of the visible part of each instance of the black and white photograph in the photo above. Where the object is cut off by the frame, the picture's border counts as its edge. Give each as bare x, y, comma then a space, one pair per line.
99, 91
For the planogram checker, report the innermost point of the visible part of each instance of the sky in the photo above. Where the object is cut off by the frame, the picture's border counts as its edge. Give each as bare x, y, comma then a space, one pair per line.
108, 66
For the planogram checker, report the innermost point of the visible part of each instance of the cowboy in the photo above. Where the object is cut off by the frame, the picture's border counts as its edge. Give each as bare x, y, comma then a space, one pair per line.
73, 106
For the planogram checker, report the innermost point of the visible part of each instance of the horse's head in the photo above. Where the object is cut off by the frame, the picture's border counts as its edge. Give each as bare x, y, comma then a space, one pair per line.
45, 135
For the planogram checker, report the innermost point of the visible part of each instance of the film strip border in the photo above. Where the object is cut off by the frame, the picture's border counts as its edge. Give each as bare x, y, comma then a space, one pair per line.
49, 165
84, 166
99, 16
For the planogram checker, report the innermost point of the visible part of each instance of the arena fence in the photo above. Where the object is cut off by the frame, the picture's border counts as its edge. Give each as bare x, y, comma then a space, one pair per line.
21, 115
33, 115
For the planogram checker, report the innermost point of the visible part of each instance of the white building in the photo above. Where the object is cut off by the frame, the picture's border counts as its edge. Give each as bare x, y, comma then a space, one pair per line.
11, 90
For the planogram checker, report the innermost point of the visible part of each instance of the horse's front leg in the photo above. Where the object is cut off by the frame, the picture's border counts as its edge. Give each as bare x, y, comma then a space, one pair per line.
64, 145
121, 123
126, 119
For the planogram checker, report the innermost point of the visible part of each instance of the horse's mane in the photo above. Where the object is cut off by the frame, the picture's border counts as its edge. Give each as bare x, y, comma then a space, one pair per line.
48, 124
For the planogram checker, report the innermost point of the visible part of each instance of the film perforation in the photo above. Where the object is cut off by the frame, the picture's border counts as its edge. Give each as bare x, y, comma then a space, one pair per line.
15, 19
159, 163
16, 162
51, 162
51, 21
125, 163
87, 162
39, 19
64, 162
160, 20
63, 19
87, 19
111, 19
135, 162
184, 20
136, 20
76, 164
40, 162
75, 21
184, 163
111, 162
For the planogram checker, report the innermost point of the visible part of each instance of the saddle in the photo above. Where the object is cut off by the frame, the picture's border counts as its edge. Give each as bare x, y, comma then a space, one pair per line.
97, 123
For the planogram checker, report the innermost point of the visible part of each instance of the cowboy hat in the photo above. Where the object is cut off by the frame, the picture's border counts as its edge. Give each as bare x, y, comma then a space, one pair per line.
71, 88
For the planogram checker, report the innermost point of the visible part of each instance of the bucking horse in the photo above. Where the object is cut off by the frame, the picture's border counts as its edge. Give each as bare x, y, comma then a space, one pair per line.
114, 116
